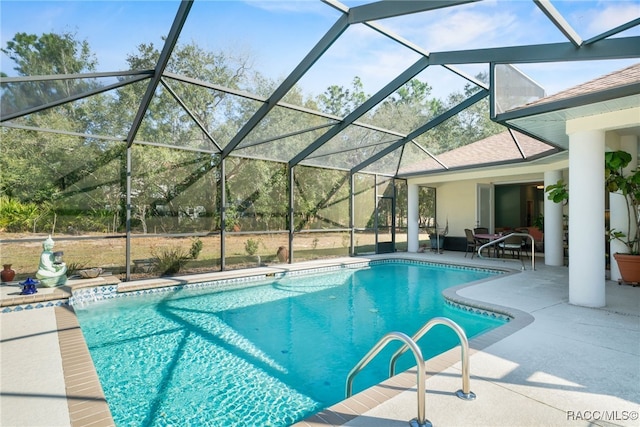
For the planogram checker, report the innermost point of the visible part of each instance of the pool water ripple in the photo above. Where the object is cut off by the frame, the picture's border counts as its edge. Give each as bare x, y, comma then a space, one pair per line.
267, 355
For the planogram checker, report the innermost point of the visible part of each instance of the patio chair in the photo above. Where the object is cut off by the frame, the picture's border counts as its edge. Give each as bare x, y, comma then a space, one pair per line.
480, 242
526, 243
472, 243
512, 244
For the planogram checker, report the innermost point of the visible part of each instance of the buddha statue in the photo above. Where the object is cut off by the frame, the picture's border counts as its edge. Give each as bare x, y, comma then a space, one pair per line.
50, 272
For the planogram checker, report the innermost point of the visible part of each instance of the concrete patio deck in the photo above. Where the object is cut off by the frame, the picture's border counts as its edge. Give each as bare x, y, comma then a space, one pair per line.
555, 364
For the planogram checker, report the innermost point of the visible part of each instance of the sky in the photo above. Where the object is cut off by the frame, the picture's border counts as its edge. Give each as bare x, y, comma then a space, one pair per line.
277, 34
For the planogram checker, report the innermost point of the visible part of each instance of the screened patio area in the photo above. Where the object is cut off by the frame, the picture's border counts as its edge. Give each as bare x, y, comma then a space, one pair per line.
219, 135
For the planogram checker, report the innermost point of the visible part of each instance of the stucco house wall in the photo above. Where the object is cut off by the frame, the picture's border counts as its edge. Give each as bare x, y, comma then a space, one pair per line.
456, 192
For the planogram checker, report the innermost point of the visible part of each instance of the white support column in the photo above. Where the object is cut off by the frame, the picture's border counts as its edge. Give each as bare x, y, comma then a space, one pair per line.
553, 227
586, 219
618, 213
413, 226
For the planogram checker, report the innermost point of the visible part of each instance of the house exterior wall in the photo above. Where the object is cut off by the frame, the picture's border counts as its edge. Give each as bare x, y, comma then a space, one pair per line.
456, 203
456, 192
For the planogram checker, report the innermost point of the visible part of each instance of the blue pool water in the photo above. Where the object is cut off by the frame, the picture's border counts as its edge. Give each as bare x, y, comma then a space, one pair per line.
266, 355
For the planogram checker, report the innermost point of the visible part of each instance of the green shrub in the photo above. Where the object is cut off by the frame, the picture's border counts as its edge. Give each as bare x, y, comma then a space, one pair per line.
251, 246
196, 247
74, 267
16, 216
170, 261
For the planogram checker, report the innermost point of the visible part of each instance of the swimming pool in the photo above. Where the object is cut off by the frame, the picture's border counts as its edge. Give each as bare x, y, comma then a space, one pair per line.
269, 354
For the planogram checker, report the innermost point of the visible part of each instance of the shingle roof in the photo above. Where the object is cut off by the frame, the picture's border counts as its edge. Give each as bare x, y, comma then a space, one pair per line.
493, 149
502, 148
623, 77
497, 148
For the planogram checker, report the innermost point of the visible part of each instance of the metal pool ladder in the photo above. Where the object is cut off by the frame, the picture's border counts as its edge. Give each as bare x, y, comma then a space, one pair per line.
502, 238
410, 344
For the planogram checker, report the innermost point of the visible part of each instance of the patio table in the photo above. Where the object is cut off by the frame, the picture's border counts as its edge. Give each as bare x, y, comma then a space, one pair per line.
489, 237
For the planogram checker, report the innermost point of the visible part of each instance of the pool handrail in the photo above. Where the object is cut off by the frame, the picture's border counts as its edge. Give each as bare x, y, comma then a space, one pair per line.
420, 421
465, 393
504, 237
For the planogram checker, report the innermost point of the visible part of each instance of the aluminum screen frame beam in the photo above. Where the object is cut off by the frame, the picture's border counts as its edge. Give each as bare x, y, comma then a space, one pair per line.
483, 93
285, 135
517, 143
346, 150
558, 20
62, 132
402, 41
43, 78
247, 95
68, 99
307, 62
428, 153
467, 168
613, 31
382, 94
169, 45
184, 106
390, 9
617, 48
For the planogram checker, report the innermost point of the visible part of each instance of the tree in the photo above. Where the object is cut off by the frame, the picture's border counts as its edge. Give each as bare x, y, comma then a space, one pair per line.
46, 54
166, 196
321, 198
470, 125
180, 168
257, 193
407, 108
33, 55
49, 53
340, 101
80, 176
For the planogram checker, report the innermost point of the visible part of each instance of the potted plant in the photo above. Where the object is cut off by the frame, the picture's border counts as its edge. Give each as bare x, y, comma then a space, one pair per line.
629, 186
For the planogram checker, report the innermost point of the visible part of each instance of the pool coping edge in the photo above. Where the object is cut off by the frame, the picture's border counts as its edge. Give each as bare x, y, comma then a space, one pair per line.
86, 401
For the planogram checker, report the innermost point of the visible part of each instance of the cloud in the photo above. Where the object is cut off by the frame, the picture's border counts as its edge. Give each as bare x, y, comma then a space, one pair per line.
613, 15
470, 26
288, 6
456, 31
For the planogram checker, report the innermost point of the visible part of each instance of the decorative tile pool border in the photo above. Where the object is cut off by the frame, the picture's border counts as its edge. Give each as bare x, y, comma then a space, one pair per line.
436, 264
482, 311
35, 305
98, 293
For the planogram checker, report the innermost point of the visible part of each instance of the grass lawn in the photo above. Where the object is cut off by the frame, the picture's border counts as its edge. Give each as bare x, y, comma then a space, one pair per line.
109, 253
